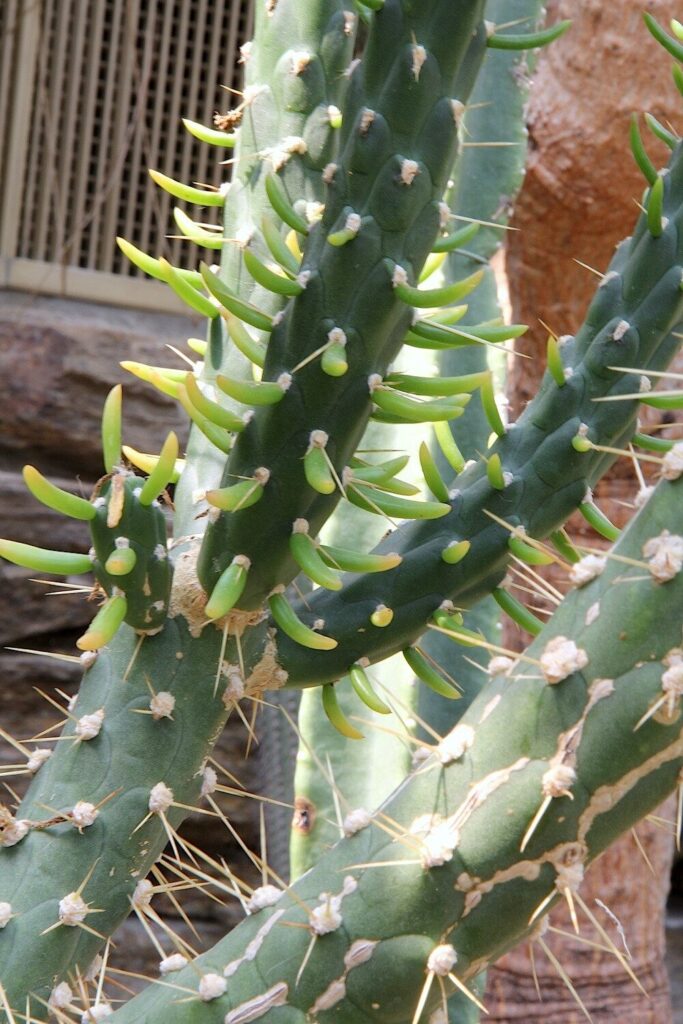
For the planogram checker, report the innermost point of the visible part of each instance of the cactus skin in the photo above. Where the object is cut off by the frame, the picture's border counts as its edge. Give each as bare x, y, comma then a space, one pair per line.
632, 321
116, 764
392, 173
138, 751
480, 898
326, 29
483, 176
641, 281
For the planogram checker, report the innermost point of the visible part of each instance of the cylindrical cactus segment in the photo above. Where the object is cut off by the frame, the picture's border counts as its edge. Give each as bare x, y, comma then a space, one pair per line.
130, 549
570, 748
399, 136
535, 477
134, 747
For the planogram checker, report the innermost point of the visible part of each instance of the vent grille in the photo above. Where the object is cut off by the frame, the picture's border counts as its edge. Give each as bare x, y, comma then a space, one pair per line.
93, 92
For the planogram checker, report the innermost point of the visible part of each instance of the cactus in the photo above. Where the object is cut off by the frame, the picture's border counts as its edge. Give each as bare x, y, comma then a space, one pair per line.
336, 205
569, 745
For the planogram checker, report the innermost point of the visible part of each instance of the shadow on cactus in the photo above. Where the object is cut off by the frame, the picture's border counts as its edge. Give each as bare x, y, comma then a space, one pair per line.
334, 223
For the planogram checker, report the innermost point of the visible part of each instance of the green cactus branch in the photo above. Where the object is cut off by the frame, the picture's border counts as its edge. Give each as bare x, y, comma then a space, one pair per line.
544, 465
568, 747
307, 314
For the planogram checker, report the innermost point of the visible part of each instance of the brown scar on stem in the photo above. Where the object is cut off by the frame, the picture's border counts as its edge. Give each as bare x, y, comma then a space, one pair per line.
189, 599
305, 813
605, 798
568, 742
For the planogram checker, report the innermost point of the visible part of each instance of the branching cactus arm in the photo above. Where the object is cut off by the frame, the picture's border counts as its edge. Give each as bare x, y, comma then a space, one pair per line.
142, 738
540, 469
574, 743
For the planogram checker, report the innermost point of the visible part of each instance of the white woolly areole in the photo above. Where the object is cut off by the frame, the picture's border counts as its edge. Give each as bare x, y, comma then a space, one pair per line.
672, 463
561, 658
73, 910
314, 211
453, 746
101, 1011
620, 330
409, 171
5, 913
644, 385
160, 798
280, 154
13, 832
83, 814
419, 55
234, 691
438, 838
444, 215
586, 569
399, 276
458, 108
61, 996
327, 917
442, 960
212, 986
264, 896
356, 821
558, 780
438, 1016
499, 666
643, 495
569, 876
300, 60
37, 759
88, 658
172, 963
665, 555
329, 172
352, 223
209, 780
142, 894
672, 681
162, 705
374, 382
88, 726
336, 336
318, 439
366, 119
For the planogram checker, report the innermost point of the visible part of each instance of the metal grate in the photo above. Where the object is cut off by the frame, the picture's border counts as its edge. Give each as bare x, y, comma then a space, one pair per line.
91, 94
